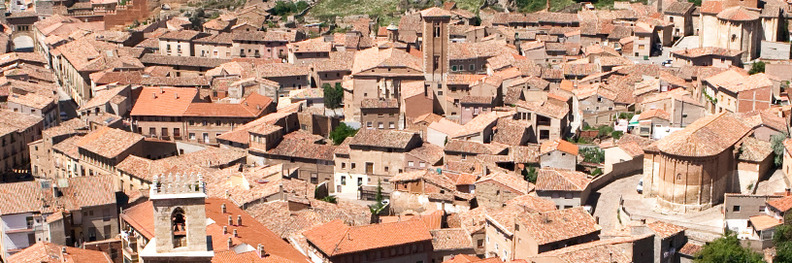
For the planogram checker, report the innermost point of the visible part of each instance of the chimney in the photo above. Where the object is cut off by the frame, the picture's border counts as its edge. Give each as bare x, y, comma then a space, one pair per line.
225, 230
261, 251
239, 220
787, 192
154, 95
230, 243
230, 220
223, 208
176, 95
162, 90
235, 233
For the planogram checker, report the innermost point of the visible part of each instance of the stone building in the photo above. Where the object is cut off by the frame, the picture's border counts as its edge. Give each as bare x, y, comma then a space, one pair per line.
497, 188
691, 169
735, 27
565, 188
18, 130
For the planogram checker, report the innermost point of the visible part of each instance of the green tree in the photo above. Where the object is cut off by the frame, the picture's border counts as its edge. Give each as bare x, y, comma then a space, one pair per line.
530, 174
727, 249
782, 239
617, 134
330, 199
282, 8
592, 155
597, 171
695, 2
757, 67
341, 133
333, 95
377, 207
777, 142
604, 131
197, 19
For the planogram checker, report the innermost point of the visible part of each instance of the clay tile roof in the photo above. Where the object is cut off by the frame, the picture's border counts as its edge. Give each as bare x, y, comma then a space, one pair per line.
654, 113
302, 145
336, 238
707, 136
390, 57
749, 83
559, 225
181, 35
511, 132
533, 203
23, 197
451, 239
707, 51
678, 8
383, 138
690, 249
476, 100
435, 12
139, 217
463, 79
310, 45
511, 181
665, 230
163, 101
606, 250
109, 142
462, 146
764, 118
738, 13
754, 150
764, 222
559, 145
712, 7
46, 252
68, 147
782, 204
561, 180
428, 152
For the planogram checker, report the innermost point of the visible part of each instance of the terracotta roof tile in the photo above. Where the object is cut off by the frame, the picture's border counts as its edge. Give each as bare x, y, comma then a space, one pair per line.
109, 142
783, 204
451, 239
665, 230
754, 150
559, 225
163, 101
336, 238
560, 145
550, 179
46, 252
383, 138
707, 136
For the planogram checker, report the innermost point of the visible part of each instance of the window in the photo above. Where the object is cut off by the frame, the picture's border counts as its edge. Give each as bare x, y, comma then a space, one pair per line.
454, 68
369, 168
391, 125
472, 67
192, 136
761, 208
343, 180
314, 178
736, 209
360, 181
436, 29
380, 125
353, 166
410, 164
368, 124
386, 169
480, 243
343, 165
422, 164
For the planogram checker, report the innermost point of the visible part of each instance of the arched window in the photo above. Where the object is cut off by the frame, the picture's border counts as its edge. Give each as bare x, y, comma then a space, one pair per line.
178, 228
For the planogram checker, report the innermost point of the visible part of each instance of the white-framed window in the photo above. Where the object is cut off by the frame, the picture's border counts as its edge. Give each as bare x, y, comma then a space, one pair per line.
410, 163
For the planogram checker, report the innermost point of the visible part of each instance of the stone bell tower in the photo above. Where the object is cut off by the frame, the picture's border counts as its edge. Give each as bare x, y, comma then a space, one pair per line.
179, 220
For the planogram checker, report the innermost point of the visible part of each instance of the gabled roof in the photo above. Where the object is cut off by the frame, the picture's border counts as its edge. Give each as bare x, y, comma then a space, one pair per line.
383, 138
664, 230
109, 142
336, 238
550, 179
163, 101
46, 252
558, 145
738, 13
435, 12
390, 58
554, 226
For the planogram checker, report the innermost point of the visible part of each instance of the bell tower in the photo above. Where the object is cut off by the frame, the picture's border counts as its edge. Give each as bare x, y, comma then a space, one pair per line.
179, 202
435, 44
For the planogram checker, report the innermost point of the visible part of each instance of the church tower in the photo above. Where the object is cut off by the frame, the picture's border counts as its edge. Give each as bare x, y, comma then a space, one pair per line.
179, 220
435, 45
